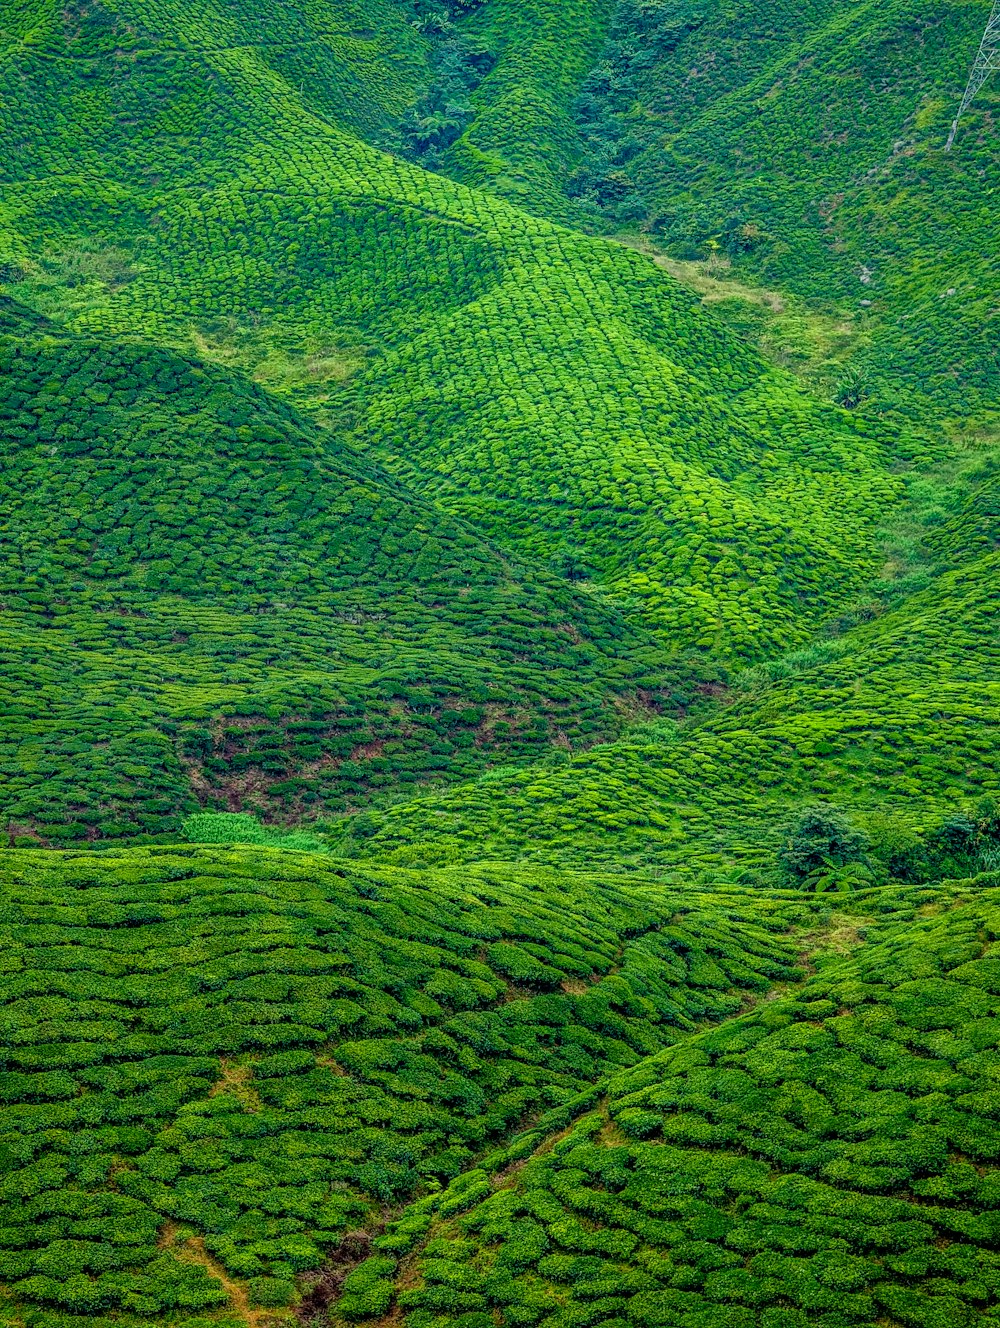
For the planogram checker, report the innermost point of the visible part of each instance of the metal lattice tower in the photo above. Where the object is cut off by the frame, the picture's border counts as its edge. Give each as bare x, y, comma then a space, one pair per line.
987, 60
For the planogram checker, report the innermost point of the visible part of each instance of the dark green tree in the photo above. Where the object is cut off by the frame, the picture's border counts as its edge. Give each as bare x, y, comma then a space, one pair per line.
820, 842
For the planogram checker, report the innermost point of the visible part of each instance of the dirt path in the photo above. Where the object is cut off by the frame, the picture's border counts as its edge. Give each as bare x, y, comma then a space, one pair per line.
192, 1250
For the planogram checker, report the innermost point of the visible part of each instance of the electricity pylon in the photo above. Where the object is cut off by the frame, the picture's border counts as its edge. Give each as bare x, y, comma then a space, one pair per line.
986, 61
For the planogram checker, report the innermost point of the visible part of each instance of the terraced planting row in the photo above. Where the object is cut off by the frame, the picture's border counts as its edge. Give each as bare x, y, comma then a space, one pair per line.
830, 1158
893, 720
257, 1051
557, 390
208, 600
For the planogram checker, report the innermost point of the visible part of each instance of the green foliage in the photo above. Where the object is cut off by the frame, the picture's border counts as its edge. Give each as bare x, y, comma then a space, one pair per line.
969, 527
806, 142
967, 841
402, 547
893, 719
822, 841
206, 599
262, 1049
557, 391
830, 1158
599, 492
853, 388
368, 1289
242, 828
521, 140
445, 109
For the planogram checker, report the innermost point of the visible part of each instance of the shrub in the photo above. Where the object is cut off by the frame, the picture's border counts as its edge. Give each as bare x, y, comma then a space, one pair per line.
823, 840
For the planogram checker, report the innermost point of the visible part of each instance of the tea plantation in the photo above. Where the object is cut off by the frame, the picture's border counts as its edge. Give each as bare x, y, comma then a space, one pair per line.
499, 672
801, 143
830, 1158
557, 390
896, 719
205, 598
266, 1050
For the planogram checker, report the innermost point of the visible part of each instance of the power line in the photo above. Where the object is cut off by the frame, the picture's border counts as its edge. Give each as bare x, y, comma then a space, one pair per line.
987, 60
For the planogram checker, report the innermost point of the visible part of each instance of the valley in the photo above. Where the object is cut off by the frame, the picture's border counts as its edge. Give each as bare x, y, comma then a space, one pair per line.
498, 716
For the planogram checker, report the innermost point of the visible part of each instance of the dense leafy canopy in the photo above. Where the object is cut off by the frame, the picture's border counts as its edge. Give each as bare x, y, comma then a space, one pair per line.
207, 598
831, 1158
262, 1047
558, 390
896, 718
576, 689
801, 142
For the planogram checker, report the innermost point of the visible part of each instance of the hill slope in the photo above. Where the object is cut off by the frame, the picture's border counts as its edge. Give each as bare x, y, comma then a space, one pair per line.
219, 1062
207, 598
805, 143
641, 700
558, 390
829, 1158
892, 718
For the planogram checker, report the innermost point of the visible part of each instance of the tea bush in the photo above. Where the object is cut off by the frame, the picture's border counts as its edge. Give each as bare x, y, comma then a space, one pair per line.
830, 1158
805, 144
583, 734
258, 1050
207, 599
558, 391
897, 718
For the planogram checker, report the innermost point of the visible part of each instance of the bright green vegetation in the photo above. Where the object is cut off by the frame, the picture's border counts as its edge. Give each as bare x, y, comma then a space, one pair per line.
262, 1048
653, 490
830, 1158
819, 342
806, 142
205, 598
552, 1097
803, 142
896, 719
499, 693
244, 828
698, 486
556, 390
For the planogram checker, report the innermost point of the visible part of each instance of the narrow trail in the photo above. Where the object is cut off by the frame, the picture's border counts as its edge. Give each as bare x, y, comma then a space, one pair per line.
192, 1250
838, 935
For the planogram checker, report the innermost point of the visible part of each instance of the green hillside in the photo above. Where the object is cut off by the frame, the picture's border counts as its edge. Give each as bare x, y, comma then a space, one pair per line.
558, 390
223, 1065
207, 600
890, 715
516, 133
499, 694
896, 720
804, 143
799, 145
830, 1158
238, 1056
